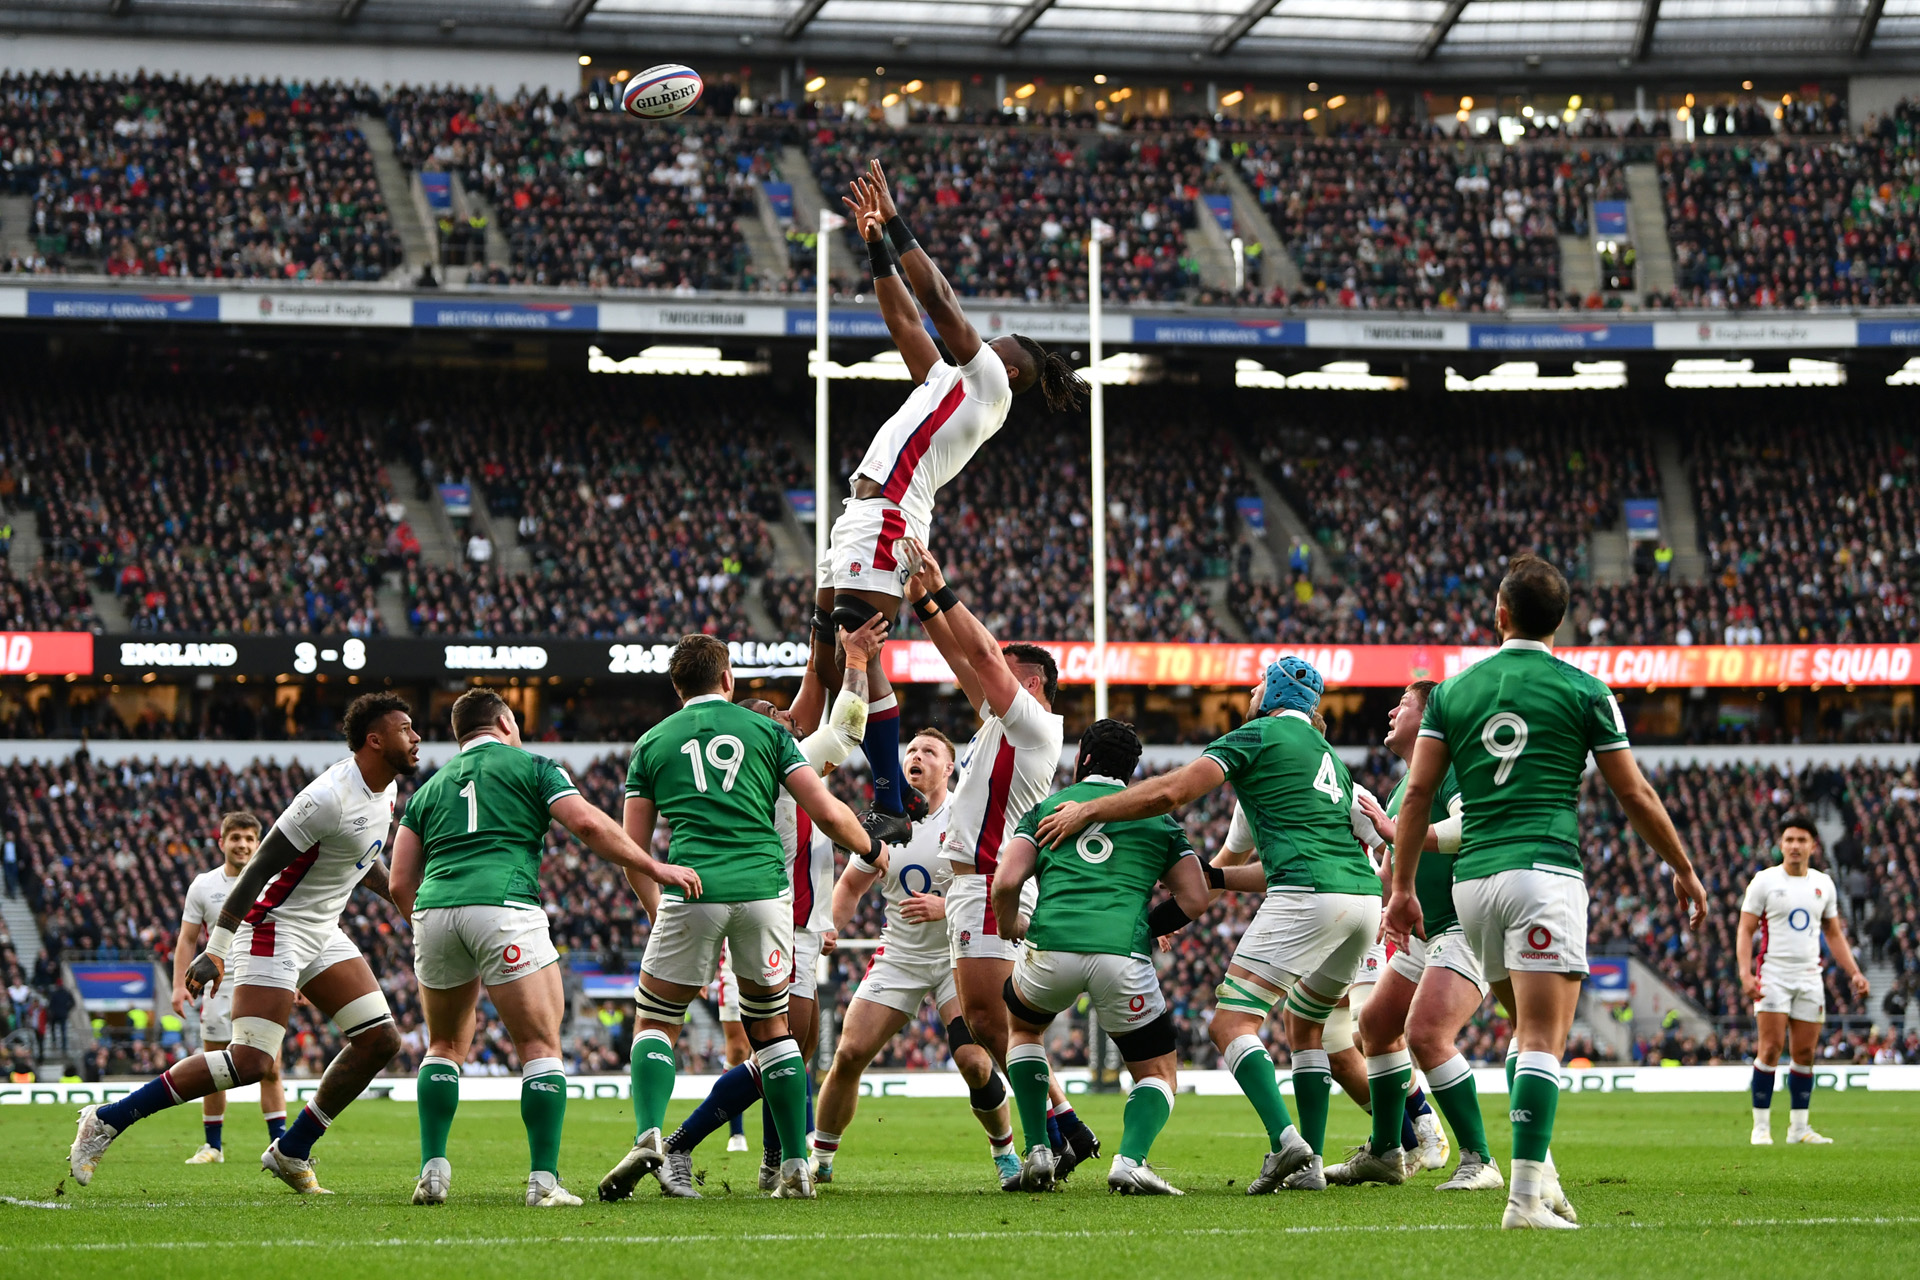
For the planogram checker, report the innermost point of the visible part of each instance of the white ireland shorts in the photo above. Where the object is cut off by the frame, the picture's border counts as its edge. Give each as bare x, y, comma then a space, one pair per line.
972, 931
903, 981
286, 957
684, 947
1125, 990
1299, 935
215, 1012
497, 944
1450, 950
860, 551
1801, 996
806, 965
1526, 920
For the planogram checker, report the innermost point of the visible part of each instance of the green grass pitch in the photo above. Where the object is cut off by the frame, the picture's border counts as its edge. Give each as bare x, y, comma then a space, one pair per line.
1667, 1186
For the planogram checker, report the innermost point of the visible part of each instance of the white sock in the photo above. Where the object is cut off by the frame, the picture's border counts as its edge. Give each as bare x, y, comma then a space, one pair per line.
1798, 1119
1526, 1178
1762, 1117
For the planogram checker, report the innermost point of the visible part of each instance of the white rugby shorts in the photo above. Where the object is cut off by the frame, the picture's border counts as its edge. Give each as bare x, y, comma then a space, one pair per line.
903, 981
497, 944
684, 947
215, 1012
286, 957
1125, 990
806, 965
1300, 935
860, 551
1526, 920
1801, 996
972, 931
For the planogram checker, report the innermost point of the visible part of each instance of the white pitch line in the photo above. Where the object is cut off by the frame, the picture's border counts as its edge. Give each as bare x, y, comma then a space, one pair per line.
34, 1204
495, 1242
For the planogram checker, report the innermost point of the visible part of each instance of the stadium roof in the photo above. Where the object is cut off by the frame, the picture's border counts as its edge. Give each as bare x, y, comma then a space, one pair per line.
1389, 40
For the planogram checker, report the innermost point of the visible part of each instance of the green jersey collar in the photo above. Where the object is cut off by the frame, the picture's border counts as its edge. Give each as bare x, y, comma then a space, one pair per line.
1534, 645
480, 741
705, 697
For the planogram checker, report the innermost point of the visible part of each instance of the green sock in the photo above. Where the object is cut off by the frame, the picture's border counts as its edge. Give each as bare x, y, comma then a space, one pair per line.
1389, 1077
1148, 1107
1535, 1097
439, 1098
1451, 1087
543, 1110
783, 1082
653, 1069
1252, 1070
1028, 1074
1313, 1093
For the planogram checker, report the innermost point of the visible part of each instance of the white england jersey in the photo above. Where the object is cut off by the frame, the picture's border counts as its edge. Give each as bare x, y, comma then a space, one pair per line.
809, 864
931, 437
917, 867
206, 895
1791, 910
340, 825
1010, 766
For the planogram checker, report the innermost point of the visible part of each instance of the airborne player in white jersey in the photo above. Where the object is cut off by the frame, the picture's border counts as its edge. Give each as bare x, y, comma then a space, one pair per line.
1790, 907
239, 838
911, 965
281, 925
952, 411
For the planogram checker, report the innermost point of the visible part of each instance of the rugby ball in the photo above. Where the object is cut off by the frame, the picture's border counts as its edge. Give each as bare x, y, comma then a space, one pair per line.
659, 92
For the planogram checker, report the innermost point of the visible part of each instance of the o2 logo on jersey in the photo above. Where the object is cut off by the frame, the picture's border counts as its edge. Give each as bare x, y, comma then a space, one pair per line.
366, 859
926, 879
1799, 920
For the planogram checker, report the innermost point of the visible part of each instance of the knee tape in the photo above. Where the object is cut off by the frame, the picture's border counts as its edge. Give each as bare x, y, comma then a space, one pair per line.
1154, 1040
220, 1067
1246, 995
988, 1096
1022, 1010
823, 624
362, 1014
760, 1008
958, 1035
1308, 1007
1338, 1037
658, 1008
851, 612
263, 1034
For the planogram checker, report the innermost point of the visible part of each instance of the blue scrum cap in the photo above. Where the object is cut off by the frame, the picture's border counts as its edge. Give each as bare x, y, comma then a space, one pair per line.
1292, 685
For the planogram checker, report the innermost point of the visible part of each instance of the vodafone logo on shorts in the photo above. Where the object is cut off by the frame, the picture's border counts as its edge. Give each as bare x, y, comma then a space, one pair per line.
1539, 944
512, 954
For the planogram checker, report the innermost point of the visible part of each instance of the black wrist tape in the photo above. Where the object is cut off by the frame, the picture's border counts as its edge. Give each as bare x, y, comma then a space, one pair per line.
924, 608
1216, 877
1166, 917
946, 598
880, 260
901, 237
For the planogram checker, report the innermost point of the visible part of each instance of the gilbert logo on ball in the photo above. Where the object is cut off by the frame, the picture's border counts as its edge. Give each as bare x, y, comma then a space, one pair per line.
659, 92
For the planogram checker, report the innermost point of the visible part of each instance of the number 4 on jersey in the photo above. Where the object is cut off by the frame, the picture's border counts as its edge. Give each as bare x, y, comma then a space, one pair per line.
1327, 781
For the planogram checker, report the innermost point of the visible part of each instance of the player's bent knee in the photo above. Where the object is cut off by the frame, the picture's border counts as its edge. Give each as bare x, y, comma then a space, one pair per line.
223, 1069
1246, 995
989, 1096
262, 1035
1154, 1040
975, 1065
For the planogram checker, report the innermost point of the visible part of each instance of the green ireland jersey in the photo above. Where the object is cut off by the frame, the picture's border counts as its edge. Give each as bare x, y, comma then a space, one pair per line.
714, 770
482, 819
1299, 798
1433, 880
1519, 726
1095, 888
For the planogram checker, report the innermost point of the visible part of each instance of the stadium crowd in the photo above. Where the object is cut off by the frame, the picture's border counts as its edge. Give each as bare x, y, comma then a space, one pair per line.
152, 176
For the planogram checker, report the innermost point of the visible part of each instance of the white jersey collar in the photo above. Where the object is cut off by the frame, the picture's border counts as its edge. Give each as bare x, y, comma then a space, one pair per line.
1534, 645
705, 697
481, 740
1297, 715
1101, 777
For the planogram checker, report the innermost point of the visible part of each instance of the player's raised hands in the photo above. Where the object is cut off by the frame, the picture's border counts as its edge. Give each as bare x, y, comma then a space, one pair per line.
883, 193
863, 643
863, 206
928, 577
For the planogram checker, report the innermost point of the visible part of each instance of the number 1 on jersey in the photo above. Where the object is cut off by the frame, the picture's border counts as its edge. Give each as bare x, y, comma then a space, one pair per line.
471, 794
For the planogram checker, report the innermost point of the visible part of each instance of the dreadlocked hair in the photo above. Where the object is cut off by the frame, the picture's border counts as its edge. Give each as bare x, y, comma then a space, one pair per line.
1060, 387
1110, 748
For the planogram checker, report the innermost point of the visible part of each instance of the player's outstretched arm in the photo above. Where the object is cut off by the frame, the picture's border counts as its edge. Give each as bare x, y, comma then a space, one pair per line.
1651, 823
827, 747
1187, 881
923, 593
1843, 955
1147, 799
831, 815
897, 306
611, 844
929, 286
1743, 954
276, 854
1018, 859
966, 642
637, 820
409, 869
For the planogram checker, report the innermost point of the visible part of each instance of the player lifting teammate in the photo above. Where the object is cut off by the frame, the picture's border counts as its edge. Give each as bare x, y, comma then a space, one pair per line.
1088, 935
1791, 907
713, 771
1321, 911
1516, 729
1009, 767
466, 871
289, 939
239, 838
911, 965
954, 409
